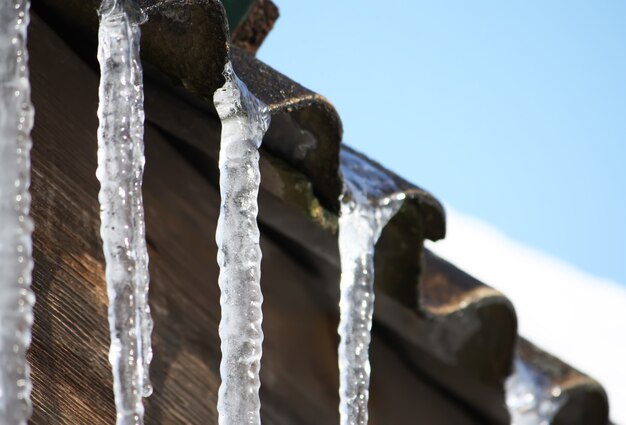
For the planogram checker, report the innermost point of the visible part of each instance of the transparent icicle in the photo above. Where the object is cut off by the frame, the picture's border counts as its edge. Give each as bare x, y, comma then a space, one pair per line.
529, 397
244, 122
361, 222
120, 171
16, 226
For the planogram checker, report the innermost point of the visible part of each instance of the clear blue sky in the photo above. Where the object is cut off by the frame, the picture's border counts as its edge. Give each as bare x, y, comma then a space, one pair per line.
511, 111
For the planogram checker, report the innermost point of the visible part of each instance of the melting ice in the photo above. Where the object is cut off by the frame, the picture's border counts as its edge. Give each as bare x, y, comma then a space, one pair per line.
363, 217
120, 171
244, 122
16, 226
529, 397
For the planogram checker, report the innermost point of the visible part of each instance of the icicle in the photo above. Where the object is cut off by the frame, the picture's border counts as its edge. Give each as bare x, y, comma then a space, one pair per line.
16, 226
361, 222
529, 397
120, 171
244, 122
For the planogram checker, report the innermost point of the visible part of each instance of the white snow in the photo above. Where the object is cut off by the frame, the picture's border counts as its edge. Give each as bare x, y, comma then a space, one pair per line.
16, 226
244, 122
578, 317
120, 171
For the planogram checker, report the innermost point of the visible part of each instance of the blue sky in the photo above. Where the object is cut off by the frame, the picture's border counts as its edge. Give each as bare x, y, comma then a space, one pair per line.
513, 112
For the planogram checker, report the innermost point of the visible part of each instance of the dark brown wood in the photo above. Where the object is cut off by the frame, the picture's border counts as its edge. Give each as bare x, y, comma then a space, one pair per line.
250, 34
71, 374
186, 38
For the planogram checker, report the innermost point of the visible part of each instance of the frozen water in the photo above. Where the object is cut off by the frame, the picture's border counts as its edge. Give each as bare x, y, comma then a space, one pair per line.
120, 171
362, 220
529, 397
244, 122
16, 226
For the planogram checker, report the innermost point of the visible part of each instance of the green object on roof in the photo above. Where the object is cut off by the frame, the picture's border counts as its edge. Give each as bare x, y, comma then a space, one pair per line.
236, 11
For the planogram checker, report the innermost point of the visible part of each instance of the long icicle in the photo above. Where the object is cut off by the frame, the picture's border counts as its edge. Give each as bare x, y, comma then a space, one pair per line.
16, 226
244, 122
120, 171
361, 222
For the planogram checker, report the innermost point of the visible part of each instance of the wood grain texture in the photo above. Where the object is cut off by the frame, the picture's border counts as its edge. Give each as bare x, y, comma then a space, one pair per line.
70, 370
